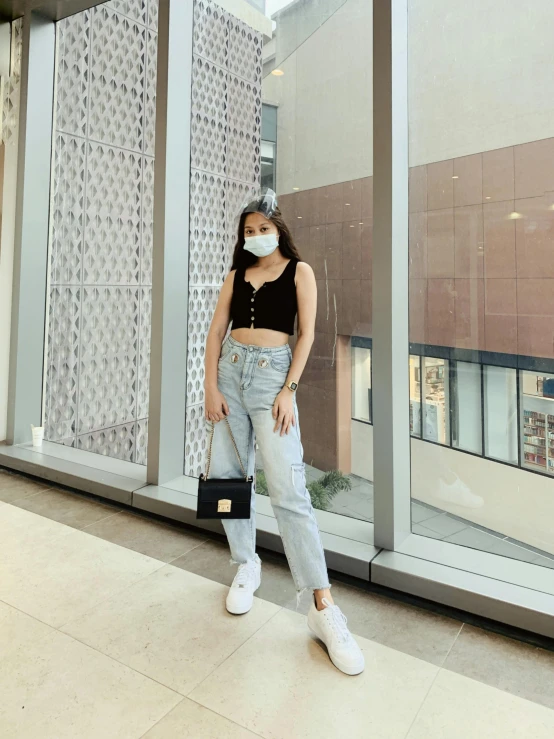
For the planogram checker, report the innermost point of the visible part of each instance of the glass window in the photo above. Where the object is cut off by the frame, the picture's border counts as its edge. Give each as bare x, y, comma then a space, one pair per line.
415, 395
537, 421
361, 384
268, 164
467, 408
500, 411
436, 401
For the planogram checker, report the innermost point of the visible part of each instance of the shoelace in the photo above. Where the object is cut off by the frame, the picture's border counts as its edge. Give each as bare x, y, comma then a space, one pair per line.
246, 573
338, 621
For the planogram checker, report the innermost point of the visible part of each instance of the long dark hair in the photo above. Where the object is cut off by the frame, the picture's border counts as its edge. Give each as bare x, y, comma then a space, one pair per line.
287, 247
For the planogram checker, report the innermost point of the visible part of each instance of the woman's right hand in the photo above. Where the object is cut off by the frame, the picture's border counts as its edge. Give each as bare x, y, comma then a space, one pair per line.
215, 405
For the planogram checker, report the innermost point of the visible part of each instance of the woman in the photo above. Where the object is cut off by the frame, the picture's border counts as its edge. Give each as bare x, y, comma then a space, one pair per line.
251, 380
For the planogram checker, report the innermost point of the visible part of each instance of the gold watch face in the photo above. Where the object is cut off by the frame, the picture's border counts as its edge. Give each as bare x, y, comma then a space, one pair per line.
293, 385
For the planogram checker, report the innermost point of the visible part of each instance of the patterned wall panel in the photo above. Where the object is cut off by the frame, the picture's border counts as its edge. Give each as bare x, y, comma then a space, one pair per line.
101, 230
10, 102
225, 155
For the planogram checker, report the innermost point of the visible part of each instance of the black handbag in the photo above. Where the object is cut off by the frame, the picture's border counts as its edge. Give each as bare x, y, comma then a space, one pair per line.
224, 498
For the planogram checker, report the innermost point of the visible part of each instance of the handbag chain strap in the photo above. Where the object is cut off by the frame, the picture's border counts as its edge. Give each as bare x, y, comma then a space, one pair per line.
234, 445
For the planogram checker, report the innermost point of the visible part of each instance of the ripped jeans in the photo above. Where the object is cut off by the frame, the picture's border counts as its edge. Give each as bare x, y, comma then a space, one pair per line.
250, 378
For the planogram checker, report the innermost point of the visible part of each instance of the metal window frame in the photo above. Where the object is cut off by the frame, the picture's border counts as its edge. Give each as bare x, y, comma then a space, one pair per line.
513, 592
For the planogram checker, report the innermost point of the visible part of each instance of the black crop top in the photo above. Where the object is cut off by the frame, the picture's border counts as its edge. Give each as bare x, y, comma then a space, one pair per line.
273, 305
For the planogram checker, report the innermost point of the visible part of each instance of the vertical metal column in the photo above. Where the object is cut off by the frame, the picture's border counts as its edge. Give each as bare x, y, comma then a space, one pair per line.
28, 323
168, 357
391, 422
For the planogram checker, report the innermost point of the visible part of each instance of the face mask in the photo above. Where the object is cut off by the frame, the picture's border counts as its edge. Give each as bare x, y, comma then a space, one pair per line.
261, 246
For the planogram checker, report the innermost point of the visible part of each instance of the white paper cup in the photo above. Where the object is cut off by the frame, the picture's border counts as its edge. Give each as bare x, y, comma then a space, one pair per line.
38, 435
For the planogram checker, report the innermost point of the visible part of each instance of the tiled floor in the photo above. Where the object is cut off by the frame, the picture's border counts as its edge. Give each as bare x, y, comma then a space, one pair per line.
113, 625
432, 522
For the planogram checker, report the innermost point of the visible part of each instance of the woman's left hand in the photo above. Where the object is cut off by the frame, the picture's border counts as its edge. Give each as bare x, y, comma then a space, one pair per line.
283, 411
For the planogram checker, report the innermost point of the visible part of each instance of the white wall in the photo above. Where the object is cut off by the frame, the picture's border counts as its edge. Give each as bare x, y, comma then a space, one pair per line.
480, 78
516, 503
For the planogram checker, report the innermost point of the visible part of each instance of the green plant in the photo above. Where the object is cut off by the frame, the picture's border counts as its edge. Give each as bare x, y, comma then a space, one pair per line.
322, 491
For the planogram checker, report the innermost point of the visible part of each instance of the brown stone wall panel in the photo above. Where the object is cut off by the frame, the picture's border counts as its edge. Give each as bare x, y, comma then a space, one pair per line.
332, 264
350, 316
468, 180
334, 204
470, 313
440, 243
366, 242
418, 311
440, 185
317, 250
536, 336
498, 175
367, 197
352, 198
500, 240
418, 244
351, 250
417, 194
441, 324
366, 309
534, 168
469, 251
535, 237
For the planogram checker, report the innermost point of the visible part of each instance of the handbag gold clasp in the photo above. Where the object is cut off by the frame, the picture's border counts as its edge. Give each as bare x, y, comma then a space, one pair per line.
224, 506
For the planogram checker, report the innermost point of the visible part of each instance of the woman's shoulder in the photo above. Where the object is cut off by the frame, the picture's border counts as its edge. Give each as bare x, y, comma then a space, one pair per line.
303, 270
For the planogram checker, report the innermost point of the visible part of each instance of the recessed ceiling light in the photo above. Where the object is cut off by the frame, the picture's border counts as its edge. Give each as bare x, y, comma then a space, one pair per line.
351, 225
361, 223
515, 216
300, 217
488, 197
347, 203
296, 188
455, 177
277, 73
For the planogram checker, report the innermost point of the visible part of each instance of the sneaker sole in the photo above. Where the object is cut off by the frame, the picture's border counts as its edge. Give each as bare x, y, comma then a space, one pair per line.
238, 613
347, 671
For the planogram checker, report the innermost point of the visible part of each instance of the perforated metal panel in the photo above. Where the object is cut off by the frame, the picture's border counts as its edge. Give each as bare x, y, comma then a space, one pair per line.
101, 230
225, 154
10, 102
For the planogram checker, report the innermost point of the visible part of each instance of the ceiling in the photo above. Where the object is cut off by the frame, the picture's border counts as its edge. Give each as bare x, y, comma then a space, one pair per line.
54, 9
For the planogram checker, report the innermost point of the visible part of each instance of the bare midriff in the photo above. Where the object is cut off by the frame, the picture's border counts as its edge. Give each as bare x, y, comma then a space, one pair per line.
260, 337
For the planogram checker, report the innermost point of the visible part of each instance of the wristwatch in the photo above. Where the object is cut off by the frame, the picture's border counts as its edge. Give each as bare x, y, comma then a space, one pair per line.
292, 386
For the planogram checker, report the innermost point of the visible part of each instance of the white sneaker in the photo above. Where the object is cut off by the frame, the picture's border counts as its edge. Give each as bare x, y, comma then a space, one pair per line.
330, 626
458, 493
241, 593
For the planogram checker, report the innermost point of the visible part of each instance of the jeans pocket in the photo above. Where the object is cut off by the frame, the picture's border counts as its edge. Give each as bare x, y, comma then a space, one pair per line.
281, 363
298, 472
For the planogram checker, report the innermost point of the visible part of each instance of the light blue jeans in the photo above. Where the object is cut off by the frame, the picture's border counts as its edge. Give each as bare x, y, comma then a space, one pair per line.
250, 378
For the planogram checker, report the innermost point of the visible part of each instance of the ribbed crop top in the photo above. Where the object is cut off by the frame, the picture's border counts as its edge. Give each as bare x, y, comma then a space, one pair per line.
273, 305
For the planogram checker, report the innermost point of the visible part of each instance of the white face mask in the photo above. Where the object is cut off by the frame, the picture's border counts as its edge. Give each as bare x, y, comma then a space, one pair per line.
261, 246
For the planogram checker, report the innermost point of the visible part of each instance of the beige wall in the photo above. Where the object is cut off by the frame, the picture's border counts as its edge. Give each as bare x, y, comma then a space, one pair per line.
480, 78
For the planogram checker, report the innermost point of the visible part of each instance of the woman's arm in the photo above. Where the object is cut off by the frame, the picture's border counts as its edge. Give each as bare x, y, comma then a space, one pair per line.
306, 295
216, 407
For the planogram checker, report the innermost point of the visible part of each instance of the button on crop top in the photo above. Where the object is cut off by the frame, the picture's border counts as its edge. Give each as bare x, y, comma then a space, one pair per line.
273, 305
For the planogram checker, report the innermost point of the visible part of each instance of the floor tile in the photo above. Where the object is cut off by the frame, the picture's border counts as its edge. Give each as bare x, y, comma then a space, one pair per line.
16, 629
422, 530
66, 507
503, 663
171, 626
422, 513
211, 560
460, 708
55, 573
281, 684
13, 487
476, 539
190, 720
147, 536
400, 626
57, 688
444, 525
